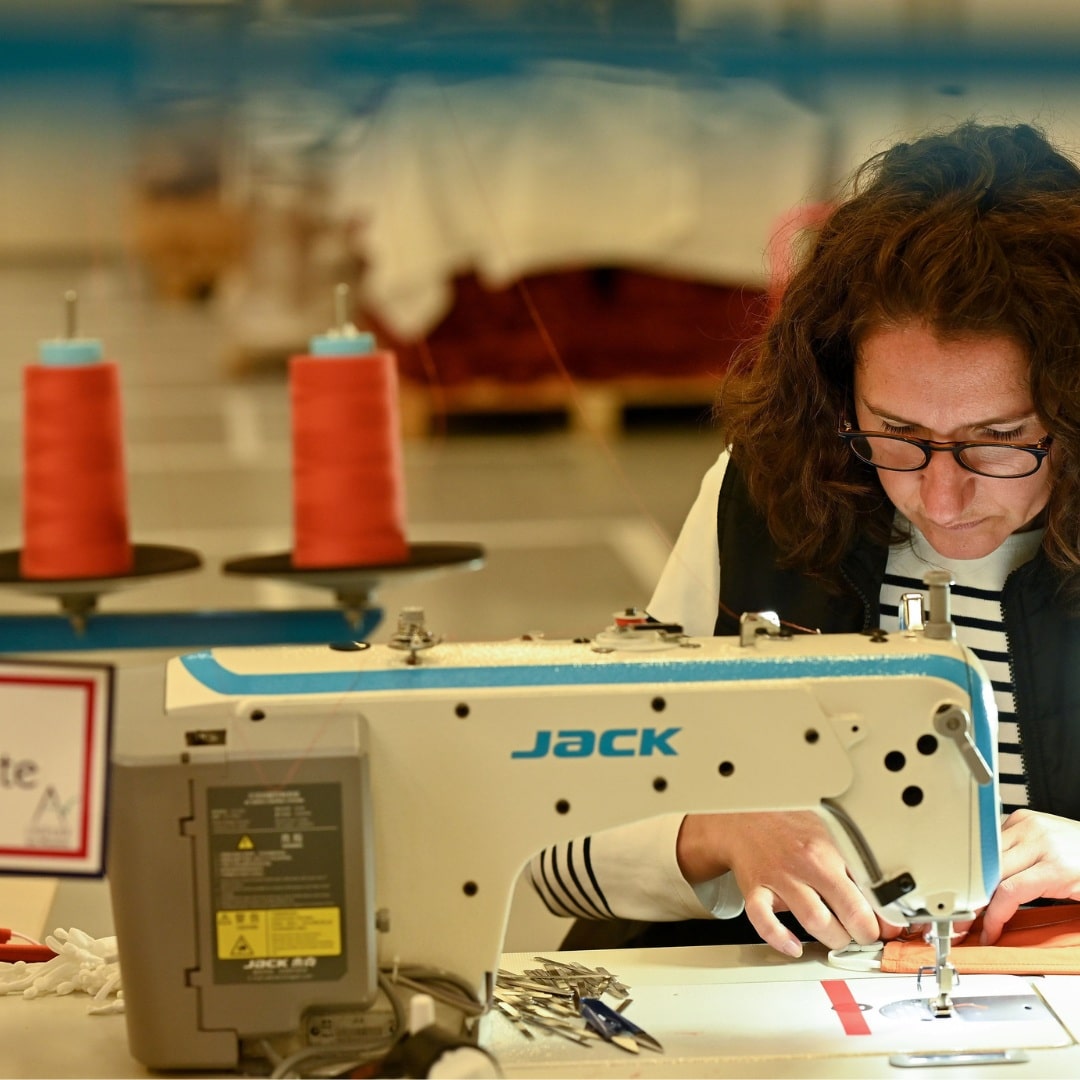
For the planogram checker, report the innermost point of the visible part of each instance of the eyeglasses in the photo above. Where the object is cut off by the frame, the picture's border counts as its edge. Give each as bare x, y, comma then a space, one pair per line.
901, 453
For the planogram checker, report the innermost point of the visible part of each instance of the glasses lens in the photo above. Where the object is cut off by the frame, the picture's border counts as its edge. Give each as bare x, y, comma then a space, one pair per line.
889, 452
1001, 461
896, 453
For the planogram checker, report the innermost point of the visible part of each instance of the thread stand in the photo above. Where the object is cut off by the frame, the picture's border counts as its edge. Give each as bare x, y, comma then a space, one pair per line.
78, 597
82, 628
354, 586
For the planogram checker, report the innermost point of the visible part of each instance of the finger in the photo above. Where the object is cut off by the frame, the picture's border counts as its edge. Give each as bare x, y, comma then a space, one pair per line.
1016, 829
888, 931
960, 931
823, 925
1019, 852
815, 916
1008, 898
760, 907
856, 916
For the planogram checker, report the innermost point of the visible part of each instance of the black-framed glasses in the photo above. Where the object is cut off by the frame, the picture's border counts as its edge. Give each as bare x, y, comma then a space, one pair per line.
902, 453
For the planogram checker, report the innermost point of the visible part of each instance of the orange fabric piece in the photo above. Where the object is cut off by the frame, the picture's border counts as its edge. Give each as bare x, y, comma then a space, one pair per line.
1035, 940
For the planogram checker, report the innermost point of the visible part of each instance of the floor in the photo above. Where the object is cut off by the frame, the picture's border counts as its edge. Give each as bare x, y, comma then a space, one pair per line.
575, 526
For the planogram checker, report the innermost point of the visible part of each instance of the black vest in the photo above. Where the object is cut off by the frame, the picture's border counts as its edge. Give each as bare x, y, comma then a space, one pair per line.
1044, 638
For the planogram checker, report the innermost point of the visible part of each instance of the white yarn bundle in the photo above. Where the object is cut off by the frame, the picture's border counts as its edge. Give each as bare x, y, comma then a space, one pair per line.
81, 963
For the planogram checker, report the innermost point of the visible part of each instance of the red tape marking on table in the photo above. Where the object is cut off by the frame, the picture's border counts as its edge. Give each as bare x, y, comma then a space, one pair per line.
846, 1007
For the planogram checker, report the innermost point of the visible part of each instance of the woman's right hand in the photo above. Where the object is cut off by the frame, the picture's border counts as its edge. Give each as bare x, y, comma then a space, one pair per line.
782, 861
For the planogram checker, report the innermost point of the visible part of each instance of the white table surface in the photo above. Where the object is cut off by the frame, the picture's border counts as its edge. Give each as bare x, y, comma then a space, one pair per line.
56, 1036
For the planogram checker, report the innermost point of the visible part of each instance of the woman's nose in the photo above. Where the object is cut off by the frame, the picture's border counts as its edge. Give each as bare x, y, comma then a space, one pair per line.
946, 487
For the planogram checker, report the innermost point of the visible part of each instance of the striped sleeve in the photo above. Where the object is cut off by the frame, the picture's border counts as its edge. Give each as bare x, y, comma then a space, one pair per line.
628, 872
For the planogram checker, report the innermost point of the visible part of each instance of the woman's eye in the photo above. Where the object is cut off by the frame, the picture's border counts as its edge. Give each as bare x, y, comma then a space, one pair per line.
892, 429
1002, 436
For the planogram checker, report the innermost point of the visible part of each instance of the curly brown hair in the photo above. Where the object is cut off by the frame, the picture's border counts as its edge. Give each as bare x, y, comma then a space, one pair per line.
974, 231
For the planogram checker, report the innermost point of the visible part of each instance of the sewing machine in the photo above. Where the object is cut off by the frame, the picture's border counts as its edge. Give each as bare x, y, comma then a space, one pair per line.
299, 817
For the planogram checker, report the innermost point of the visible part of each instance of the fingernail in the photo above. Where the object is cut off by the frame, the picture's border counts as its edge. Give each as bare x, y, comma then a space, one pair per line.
793, 949
982, 938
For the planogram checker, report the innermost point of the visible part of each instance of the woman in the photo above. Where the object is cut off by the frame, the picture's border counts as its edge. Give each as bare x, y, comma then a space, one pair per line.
913, 403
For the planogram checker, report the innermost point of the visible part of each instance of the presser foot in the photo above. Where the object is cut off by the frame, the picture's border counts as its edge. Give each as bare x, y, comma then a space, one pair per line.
945, 975
941, 1004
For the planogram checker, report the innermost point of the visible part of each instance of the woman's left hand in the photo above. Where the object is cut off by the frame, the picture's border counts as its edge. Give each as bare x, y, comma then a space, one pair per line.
1040, 858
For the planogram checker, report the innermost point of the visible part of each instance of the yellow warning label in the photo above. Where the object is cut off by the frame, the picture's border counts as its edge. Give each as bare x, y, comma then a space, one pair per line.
245, 843
242, 948
278, 932
305, 931
241, 934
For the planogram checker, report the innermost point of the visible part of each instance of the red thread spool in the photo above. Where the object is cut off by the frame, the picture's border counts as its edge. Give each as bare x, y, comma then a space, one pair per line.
75, 521
348, 489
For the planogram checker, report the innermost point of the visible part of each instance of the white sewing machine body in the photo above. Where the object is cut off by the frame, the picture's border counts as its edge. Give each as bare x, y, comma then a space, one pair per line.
300, 816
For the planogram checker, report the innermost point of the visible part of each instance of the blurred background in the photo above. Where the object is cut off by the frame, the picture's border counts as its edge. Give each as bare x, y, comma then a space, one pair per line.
564, 216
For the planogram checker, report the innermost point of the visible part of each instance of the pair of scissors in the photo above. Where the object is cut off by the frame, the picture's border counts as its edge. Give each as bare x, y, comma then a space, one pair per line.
614, 1027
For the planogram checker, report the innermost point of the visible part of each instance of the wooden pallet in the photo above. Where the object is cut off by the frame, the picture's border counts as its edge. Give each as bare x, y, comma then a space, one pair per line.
595, 407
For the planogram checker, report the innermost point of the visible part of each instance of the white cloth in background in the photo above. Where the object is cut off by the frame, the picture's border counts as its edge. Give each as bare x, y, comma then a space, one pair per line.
571, 165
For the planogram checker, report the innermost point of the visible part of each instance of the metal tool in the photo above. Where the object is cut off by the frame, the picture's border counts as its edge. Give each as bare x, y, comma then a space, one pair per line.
549, 999
615, 1027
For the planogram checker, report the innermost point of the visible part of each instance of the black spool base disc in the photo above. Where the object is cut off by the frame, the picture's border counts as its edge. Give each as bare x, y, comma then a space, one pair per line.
149, 560
78, 596
356, 583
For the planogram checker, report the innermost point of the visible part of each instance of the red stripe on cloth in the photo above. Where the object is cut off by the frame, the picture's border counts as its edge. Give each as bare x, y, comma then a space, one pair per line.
846, 1007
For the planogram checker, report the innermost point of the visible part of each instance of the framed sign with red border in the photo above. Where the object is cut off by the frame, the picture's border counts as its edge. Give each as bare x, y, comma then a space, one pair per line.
55, 733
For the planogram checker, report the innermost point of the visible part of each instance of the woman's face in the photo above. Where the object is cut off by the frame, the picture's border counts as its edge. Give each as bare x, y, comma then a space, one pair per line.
967, 389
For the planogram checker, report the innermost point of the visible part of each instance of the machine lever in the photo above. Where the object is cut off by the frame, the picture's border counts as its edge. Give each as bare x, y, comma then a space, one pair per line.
954, 723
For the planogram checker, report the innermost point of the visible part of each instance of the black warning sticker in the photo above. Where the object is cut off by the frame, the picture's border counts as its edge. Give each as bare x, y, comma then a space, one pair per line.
277, 882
